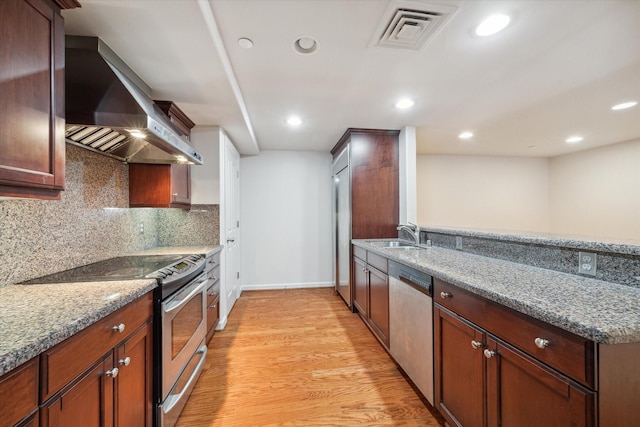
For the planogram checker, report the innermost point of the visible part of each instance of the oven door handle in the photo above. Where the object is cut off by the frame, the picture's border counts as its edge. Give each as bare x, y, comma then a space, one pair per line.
173, 399
176, 304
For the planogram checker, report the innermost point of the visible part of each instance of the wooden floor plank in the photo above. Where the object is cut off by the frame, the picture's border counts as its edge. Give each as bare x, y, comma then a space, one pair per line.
300, 358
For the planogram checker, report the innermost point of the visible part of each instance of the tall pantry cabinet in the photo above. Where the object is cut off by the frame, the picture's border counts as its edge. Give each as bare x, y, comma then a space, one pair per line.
367, 205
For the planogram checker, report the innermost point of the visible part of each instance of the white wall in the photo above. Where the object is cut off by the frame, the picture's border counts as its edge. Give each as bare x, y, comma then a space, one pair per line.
285, 220
407, 170
597, 192
483, 192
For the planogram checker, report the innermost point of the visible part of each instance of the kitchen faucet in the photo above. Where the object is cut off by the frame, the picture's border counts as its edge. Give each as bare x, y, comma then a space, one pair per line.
413, 229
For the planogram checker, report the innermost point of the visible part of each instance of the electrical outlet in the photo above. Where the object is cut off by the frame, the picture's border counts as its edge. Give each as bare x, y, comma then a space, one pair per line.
587, 263
141, 228
459, 243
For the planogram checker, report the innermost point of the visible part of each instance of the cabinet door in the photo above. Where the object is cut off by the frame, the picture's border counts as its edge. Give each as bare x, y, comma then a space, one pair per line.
522, 392
32, 142
180, 184
134, 381
86, 403
459, 369
379, 304
361, 285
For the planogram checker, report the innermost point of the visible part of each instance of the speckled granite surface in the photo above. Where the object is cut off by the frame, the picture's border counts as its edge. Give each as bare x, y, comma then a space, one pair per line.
605, 312
34, 318
170, 250
615, 263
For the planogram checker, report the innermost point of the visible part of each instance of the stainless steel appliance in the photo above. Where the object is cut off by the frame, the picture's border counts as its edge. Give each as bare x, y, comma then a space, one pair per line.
109, 109
411, 324
179, 319
342, 225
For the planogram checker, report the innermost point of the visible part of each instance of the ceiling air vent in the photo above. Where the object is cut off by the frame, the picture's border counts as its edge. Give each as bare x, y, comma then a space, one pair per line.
405, 26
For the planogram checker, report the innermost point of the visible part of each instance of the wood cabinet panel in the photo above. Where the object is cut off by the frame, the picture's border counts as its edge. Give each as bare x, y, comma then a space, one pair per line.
65, 361
87, 402
525, 393
159, 186
377, 261
360, 287
19, 393
379, 304
569, 353
459, 370
32, 146
374, 185
133, 385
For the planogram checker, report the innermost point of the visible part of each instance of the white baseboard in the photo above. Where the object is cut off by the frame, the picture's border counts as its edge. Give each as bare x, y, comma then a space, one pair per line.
272, 286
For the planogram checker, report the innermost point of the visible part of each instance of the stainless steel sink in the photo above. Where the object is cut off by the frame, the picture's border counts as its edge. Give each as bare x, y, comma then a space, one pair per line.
395, 244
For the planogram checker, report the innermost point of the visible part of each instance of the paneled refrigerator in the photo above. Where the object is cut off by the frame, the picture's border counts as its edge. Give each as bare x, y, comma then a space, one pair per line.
342, 224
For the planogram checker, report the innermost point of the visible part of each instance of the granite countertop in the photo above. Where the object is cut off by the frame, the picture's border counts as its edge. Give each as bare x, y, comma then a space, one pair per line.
34, 318
170, 250
607, 313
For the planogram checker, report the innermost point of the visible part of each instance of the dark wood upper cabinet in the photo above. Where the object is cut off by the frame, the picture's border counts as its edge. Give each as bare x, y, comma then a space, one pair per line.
178, 118
32, 145
159, 186
163, 186
375, 181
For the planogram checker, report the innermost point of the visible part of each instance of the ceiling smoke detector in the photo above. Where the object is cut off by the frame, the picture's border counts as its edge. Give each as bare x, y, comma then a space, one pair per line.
405, 26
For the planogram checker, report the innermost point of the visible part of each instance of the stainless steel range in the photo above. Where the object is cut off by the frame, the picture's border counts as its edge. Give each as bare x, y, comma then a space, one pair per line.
179, 319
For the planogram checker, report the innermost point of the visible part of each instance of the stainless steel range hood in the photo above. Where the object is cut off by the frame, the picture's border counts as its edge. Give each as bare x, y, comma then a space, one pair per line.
109, 109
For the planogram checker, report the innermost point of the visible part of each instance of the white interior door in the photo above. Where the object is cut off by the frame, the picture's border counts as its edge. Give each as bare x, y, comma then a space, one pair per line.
231, 224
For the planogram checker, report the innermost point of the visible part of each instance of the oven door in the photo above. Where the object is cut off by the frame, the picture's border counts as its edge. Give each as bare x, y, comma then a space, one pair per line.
184, 325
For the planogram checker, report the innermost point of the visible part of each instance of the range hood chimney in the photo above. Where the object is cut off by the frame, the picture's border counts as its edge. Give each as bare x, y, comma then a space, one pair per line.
109, 109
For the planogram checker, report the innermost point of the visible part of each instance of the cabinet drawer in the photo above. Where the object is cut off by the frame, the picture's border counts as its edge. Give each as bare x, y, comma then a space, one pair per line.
212, 261
213, 275
570, 354
360, 253
67, 360
19, 393
377, 261
213, 292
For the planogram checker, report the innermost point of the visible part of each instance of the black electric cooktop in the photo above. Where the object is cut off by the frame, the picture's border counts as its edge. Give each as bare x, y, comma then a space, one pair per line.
120, 268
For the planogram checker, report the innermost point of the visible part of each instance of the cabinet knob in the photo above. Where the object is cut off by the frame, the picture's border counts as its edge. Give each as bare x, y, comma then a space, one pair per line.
112, 373
119, 328
541, 343
489, 354
126, 361
445, 295
476, 344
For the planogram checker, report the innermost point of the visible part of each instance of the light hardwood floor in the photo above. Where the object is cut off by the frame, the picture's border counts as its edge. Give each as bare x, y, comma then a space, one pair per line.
300, 358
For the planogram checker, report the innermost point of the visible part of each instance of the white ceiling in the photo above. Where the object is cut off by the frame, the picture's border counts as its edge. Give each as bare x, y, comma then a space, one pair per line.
553, 72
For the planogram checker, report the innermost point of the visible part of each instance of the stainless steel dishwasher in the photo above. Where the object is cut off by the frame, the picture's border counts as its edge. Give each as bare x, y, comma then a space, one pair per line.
411, 324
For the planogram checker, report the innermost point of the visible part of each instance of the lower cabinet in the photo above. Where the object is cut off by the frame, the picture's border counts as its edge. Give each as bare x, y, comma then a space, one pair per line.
371, 292
19, 394
112, 389
212, 270
484, 380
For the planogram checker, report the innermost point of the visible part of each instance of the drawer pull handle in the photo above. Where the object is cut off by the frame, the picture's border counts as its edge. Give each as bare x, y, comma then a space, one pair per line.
476, 344
489, 354
112, 373
445, 295
126, 361
119, 328
541, 343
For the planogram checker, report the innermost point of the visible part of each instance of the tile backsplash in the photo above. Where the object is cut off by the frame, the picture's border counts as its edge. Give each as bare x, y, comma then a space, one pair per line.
91, 222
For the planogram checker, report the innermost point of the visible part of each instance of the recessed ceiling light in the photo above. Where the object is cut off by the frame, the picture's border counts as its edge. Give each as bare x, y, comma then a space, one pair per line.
305, 45
245, 43
574, 139
624, 105
294, 121
466, 135
404, 103
492, 25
